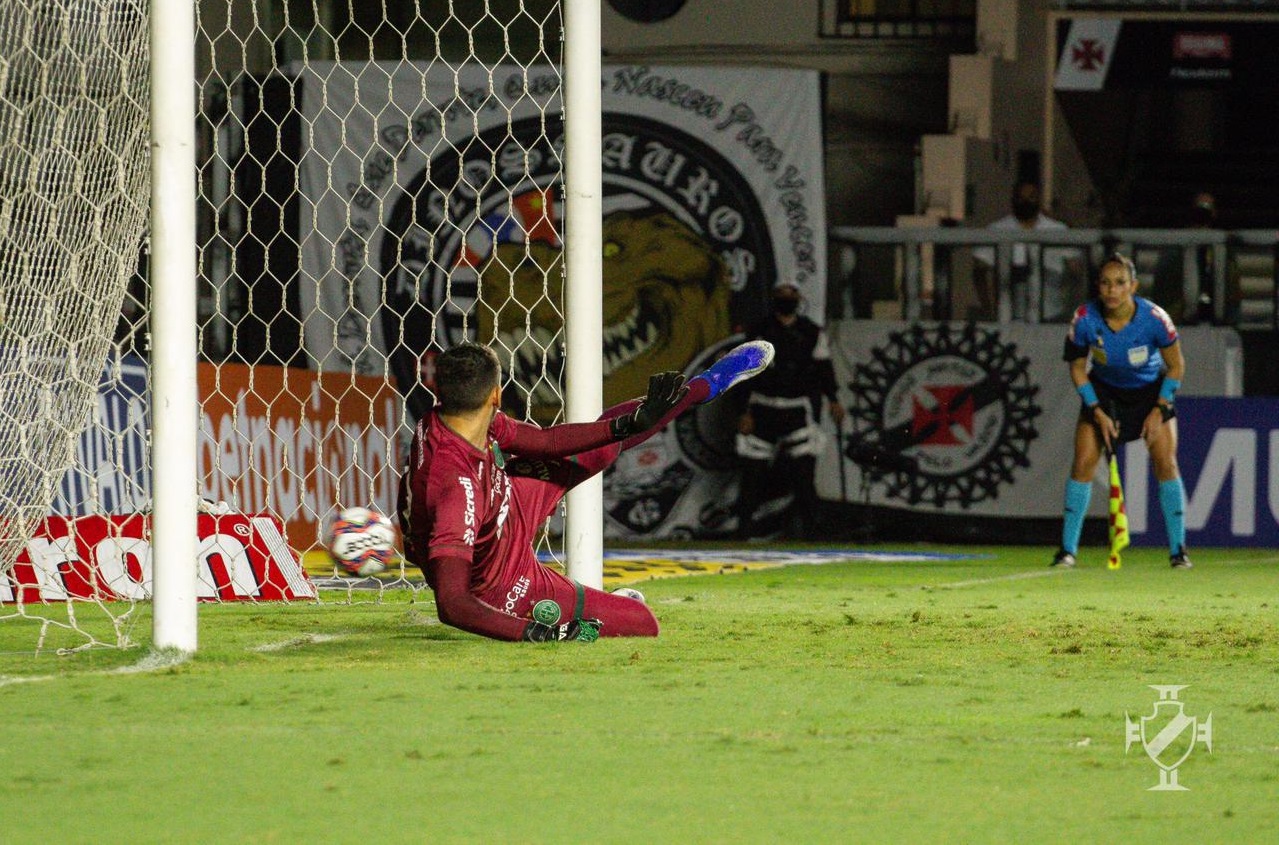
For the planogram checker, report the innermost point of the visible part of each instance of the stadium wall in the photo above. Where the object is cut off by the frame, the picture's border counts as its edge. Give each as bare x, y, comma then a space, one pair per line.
971, 425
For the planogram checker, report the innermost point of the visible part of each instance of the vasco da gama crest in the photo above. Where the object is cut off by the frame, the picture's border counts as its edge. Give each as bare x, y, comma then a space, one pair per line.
950, 408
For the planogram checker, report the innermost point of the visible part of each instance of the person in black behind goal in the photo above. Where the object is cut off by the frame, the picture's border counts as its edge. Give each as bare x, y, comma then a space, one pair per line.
779, 433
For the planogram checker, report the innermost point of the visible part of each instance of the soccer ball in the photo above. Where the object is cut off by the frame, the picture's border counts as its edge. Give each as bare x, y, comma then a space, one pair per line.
360, 541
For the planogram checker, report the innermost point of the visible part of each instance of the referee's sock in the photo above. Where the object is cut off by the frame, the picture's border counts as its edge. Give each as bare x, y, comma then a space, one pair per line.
1172, 500
1078, 495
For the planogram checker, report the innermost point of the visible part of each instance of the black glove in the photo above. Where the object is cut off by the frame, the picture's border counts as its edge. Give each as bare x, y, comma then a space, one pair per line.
665, 390
581, 630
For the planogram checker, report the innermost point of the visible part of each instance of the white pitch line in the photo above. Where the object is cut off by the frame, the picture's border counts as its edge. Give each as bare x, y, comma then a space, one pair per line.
152, 662
7, 680
1016, 576
1045, 573
294, 642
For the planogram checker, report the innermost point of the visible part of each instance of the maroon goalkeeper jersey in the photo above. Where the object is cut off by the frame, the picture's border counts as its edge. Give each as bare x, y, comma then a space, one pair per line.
455, 498
470, 526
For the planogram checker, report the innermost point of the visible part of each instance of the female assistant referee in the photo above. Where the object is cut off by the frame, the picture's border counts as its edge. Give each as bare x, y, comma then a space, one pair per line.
1127, 391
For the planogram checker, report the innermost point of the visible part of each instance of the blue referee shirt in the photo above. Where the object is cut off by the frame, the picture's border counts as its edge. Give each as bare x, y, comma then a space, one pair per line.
1126, 358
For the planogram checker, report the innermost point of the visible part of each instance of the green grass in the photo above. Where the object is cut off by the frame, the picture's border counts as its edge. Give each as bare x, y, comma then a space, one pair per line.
960, 701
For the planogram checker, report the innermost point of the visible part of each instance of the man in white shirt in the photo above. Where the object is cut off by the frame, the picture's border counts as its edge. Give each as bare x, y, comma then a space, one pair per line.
1056, 268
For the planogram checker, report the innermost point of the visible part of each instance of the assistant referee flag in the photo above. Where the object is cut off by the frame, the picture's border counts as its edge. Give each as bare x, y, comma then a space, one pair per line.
1119, 538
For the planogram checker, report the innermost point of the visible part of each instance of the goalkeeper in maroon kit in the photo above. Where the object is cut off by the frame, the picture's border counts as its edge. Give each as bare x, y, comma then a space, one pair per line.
478, 486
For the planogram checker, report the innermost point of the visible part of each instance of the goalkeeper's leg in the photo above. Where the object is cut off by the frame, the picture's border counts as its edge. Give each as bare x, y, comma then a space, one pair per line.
561, 600
741, 363
540, 484
621, 616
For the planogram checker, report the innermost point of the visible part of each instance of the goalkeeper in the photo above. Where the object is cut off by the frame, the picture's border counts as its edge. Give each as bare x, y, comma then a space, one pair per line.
478, 486
1128, 392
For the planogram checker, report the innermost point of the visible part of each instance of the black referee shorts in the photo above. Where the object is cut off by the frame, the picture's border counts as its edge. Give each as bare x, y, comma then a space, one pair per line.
1129, 406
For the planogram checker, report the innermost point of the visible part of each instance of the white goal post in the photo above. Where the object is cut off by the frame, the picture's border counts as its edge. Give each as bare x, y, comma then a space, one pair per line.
174, 337
583, 236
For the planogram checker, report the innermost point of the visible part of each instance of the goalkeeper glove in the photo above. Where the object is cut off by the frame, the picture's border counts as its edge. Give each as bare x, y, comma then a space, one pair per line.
581, 630
665, 390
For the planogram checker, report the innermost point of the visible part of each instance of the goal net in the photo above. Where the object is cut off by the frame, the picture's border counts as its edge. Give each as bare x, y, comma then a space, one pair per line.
73, 205
377, 182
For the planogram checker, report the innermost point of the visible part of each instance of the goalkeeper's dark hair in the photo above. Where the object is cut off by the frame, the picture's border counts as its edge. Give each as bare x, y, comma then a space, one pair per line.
465, 375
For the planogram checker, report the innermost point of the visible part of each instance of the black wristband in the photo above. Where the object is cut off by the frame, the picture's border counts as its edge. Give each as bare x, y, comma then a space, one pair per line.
624, 426
1166, 411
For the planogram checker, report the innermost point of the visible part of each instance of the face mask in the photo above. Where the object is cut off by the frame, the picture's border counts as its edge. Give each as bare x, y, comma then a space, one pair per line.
1025, 211
785, 305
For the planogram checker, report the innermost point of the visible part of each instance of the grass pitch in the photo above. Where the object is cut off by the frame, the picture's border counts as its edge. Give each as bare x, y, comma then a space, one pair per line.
939, 701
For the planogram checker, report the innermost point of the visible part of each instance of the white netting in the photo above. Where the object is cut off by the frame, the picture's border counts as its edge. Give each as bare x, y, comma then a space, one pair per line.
73, 200
384, 185
377, 182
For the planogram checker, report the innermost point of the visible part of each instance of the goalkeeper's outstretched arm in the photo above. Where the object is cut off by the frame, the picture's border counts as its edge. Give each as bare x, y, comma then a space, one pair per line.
666, 394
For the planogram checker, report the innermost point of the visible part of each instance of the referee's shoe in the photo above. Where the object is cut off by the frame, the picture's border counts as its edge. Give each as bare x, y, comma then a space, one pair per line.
1181, 560
1063, 560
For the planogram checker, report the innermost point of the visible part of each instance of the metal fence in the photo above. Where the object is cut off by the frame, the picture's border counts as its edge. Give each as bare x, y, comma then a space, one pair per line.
945, 273
897, 19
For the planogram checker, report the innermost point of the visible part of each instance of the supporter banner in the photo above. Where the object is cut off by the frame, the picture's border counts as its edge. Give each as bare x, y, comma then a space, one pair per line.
422, 184
239, 557
290, 442
1109, 53
1229, 459
974, 419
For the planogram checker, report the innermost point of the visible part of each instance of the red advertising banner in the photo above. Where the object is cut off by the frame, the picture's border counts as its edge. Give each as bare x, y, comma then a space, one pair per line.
239, 557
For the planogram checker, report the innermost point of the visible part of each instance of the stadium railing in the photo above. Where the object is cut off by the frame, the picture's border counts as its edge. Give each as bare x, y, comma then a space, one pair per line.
1226, 277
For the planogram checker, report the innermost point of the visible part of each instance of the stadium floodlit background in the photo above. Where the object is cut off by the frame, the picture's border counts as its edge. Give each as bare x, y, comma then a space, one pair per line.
379, 181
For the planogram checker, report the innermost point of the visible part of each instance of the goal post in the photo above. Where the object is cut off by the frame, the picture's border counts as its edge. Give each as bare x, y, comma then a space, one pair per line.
174, 336
584, 268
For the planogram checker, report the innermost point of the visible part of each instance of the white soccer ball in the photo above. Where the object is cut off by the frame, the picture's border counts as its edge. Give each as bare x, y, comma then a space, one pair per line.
360, 541
630, 593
